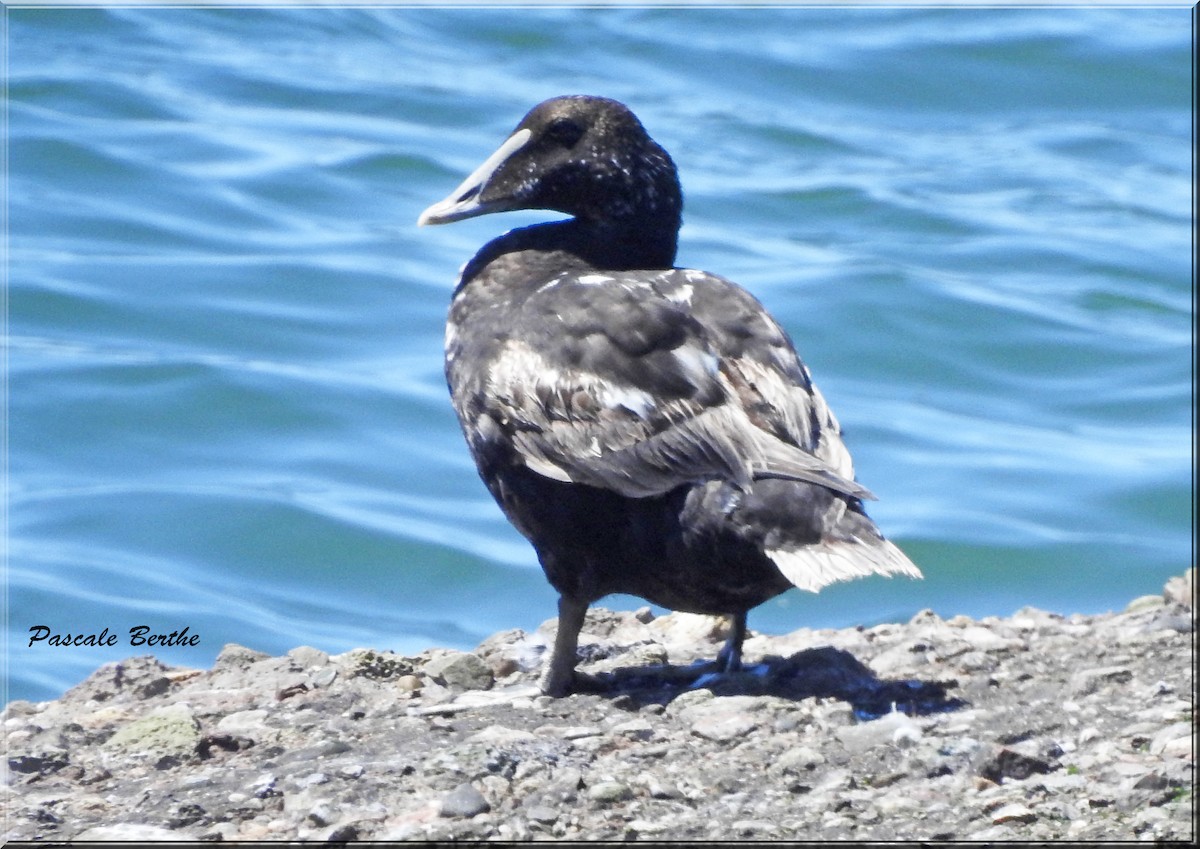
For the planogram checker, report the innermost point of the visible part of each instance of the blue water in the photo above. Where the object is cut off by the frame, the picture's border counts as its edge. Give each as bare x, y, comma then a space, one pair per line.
225, 402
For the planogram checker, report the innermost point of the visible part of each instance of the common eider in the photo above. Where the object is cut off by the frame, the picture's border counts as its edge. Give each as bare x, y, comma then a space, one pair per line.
650, 429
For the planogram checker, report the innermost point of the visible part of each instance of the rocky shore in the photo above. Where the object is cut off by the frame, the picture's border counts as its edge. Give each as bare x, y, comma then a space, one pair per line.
1037, 726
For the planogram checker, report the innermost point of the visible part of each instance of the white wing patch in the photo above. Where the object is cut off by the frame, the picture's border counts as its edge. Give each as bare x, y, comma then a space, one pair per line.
521, 372
682, 295
636, 401
517, 370
699, 366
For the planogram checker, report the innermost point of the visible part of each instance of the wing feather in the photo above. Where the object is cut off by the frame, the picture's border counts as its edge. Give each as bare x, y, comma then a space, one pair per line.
706, 387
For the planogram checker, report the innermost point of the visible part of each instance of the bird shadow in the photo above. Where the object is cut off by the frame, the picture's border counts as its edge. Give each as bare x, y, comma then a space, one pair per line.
822, 672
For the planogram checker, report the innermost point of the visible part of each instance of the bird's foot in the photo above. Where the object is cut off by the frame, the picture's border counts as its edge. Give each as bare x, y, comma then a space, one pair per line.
557, 683
576, 682
728, 660
721, 675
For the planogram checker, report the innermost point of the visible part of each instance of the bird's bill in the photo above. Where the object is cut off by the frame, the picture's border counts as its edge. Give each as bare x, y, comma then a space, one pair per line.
464, 202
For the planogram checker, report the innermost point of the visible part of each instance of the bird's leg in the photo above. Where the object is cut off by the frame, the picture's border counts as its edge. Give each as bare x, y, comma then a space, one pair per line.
560, 669
729, 659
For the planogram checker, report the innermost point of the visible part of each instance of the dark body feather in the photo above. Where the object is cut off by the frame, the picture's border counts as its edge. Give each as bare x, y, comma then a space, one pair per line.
649, 429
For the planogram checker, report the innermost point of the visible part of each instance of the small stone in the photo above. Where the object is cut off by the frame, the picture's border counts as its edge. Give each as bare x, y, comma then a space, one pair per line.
1089, 680
463, 801
895, 728
609, 792
1181, 747
1005, 763
320, 816
686, 701
132, 832
542, 813
644, 615
637, 729
1151, 816
1145, 602
233, 656
578, 732
1181, 589
172, 730
324, 677
987, 640
243, 721
797, 760
1168, 735
460, 670
306, 657
569, 732
658, 790
501, 735
408, 683
343, 834
1013, 812
219, 832
724, 727
753, 827
1151, 781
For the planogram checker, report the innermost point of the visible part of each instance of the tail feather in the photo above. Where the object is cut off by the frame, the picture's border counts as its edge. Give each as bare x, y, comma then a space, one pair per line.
829, 561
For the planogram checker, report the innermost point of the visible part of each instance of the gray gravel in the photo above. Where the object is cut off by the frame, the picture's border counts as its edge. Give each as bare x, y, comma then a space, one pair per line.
1032, 727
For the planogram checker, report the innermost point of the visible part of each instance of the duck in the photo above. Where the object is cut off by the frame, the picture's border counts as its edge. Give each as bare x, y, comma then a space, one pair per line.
649, 429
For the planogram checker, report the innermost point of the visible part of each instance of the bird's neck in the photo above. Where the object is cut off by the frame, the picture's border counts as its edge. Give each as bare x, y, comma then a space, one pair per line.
573, 245
612, 245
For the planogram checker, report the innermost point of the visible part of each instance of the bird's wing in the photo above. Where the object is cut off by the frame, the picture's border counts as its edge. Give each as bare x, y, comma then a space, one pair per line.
639, 386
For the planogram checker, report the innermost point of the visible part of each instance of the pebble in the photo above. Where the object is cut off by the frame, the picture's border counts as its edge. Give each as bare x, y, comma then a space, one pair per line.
408, 683
243, 721
130, 832
1030, 728
608, 792
463, 801
725, 726
542, 813
324, 677
460, 670
170, 730
1012, 812
1168, 737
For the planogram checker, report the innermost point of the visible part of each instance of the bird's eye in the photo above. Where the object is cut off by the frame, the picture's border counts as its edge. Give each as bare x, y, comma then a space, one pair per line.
564, 131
